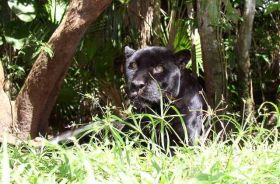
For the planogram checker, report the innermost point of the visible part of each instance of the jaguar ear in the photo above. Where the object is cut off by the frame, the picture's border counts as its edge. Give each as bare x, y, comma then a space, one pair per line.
182, 57
128, 51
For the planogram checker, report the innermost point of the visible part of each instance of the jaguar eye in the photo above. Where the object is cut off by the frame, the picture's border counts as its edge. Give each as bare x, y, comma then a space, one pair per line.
132, 66
158, 69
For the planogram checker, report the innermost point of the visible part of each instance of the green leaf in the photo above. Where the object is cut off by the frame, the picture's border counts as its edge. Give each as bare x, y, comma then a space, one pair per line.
231, 12
124, 1
272, 7
1, 41
44, 47
24, 10
260, 2
56, 10
16, 43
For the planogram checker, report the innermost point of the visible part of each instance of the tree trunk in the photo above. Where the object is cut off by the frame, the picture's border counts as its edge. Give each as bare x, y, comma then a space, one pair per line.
39, 92
172, 28
212, 55
156, 23
191, 7
143, 12
243, 58
6, 115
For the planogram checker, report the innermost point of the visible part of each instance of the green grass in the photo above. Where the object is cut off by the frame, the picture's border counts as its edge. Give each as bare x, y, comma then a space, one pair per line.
251, 154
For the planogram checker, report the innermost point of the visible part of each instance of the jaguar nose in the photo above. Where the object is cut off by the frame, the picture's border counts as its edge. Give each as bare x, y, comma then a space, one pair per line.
138, 85
133, 94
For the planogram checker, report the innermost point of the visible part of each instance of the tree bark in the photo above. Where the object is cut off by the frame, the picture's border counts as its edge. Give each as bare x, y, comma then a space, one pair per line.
191, 7
213, 62
243, 57
156, 23
39, 92
6, 115
172, 28
143, 13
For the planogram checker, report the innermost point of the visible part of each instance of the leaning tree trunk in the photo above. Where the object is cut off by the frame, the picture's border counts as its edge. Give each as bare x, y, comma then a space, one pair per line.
212, 55
39, 92
243, 58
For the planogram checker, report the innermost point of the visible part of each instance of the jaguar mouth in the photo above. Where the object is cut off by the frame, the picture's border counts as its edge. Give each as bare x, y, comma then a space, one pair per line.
141, 101
148, 96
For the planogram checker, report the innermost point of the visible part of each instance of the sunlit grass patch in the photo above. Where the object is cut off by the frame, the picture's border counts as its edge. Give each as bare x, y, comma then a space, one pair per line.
249, 154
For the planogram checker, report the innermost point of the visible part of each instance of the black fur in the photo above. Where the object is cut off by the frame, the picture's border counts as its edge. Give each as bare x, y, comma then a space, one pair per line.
155, 72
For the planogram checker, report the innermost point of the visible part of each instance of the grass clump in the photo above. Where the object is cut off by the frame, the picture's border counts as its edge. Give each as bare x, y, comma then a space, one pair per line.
250, 154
